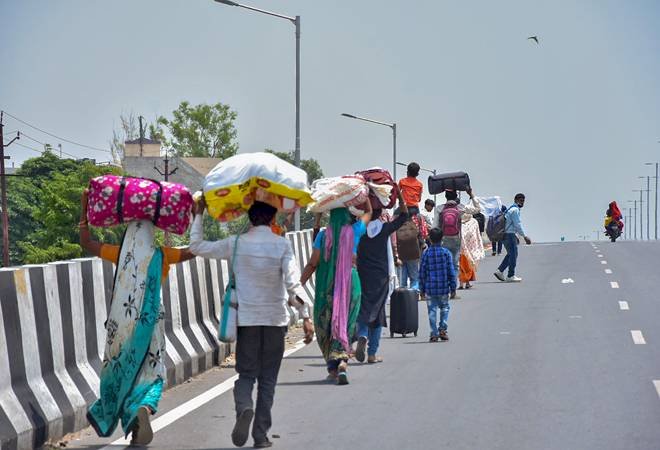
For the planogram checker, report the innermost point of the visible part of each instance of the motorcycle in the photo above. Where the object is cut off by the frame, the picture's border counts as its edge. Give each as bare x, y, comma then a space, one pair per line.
613, 231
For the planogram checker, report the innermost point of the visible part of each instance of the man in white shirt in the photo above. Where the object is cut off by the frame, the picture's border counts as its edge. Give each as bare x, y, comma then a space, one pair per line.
428, 212
267, 278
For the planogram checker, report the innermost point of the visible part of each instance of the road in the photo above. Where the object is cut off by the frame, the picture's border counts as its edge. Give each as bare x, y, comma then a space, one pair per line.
543, 364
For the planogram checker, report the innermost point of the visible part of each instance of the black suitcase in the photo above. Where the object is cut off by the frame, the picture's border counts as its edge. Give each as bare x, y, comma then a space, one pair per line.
404, 315
454, 181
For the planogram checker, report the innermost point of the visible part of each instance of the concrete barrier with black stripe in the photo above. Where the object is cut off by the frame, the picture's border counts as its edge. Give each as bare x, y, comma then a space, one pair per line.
52, 337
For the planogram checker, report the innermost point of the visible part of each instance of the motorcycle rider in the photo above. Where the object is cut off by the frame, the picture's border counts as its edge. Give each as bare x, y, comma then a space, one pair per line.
613, 222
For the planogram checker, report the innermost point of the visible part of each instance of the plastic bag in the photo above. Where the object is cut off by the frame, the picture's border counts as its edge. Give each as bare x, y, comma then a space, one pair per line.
237, 182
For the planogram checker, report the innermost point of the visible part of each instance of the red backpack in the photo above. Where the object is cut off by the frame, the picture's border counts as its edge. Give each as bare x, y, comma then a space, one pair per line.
450, 220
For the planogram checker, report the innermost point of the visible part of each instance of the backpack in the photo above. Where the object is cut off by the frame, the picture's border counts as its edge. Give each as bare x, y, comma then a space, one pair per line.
407, 238
481, 219
450, 220
497, 226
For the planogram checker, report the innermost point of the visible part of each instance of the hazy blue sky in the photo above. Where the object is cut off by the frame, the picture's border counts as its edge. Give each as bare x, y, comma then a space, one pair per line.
569, 122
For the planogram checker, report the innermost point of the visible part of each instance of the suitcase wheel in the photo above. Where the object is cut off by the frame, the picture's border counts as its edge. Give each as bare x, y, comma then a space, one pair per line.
391, 335
415, 334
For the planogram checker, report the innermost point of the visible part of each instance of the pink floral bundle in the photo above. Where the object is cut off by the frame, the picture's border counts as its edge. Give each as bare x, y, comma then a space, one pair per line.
114, 200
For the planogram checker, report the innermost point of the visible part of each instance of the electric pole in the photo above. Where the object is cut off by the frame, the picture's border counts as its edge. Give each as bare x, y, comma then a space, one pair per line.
140, 118
3, 192
165, 174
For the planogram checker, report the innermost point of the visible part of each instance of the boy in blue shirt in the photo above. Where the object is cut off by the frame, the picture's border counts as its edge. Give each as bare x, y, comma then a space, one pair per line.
437, 282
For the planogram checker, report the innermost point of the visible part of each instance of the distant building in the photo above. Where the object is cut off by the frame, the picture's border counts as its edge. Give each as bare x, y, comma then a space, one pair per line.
142, 162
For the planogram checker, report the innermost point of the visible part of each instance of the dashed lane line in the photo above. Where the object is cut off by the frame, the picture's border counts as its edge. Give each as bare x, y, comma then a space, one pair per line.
637, 337
614, 285
603, 262
600, 256
608, 271
623, 306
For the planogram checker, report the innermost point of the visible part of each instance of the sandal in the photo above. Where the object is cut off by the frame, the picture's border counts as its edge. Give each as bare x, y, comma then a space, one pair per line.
342, 375
372, 359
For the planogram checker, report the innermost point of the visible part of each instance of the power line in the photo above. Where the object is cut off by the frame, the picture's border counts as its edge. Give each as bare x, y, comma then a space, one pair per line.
58, 137
30, 148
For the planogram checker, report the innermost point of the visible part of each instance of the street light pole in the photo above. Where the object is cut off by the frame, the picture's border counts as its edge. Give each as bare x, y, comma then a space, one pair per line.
656, 197
641, 212
634, 218
648, 206
296, 23
391, 125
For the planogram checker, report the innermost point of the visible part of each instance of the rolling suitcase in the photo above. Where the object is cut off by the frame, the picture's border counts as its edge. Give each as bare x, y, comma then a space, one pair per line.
404, 316
455, 181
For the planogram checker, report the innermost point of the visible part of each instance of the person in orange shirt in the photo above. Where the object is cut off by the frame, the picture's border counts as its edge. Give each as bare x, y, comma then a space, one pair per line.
412, 188
131, 380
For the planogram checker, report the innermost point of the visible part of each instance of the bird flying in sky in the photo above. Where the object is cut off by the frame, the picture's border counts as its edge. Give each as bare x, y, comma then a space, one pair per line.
534, 38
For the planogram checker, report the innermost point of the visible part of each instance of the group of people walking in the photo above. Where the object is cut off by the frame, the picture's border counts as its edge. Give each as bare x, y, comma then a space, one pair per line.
356, 261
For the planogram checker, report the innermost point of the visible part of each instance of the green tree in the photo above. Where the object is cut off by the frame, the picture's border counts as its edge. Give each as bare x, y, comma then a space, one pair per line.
44, 209
199, 131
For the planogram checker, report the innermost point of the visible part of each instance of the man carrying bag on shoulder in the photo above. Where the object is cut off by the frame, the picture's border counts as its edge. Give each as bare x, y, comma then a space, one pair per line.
266, 279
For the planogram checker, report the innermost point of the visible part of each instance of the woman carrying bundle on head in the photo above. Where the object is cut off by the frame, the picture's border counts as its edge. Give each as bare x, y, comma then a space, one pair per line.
338, 289
133, 368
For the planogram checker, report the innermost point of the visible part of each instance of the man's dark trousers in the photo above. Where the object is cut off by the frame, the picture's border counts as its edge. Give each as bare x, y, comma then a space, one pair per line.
259, 352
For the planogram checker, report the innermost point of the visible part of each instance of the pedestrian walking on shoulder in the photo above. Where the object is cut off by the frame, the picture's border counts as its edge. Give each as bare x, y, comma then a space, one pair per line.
513, 228
496, 244
448, 218
437, 282
267, 278
338, 291
373, 264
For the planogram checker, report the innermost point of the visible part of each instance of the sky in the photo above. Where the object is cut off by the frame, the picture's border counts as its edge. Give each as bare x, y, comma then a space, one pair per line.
569, 122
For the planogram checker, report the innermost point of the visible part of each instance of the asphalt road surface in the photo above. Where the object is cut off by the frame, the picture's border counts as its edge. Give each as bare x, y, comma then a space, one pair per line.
558, 361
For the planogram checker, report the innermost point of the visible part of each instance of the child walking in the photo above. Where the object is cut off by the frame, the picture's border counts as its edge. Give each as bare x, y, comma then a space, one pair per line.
437, 283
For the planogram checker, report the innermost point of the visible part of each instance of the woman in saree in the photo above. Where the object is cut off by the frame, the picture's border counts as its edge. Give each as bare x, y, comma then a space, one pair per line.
338, 289
472, 251
133, 371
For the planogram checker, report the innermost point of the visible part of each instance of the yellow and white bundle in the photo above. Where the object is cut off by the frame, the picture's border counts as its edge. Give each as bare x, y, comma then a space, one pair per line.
237, 182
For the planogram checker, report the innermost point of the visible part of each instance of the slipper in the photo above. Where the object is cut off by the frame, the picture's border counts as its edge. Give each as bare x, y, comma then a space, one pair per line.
239, 435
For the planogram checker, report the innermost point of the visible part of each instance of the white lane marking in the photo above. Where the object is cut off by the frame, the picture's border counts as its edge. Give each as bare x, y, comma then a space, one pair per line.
505, 332
623, 306
600, 256
603, 262
637, 337
194, 403
608, 271
567, 281
656, 383
614, 285
574, 317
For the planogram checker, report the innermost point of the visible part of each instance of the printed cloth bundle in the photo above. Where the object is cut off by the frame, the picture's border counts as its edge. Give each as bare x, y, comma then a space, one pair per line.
114, 200
338, 192
383, 189
237, 182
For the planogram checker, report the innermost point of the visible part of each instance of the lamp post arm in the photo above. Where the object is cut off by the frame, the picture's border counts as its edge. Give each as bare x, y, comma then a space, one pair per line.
259, 10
